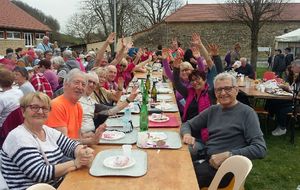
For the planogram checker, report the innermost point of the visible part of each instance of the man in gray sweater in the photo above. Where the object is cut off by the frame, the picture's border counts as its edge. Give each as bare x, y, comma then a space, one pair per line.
233, 128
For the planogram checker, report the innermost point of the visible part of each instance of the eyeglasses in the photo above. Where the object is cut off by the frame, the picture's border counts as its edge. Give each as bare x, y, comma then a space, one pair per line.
36, 108
227, 89
122, 65
92, 82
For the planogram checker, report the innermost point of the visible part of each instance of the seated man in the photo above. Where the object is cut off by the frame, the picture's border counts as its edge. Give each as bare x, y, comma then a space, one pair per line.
245, 69
233, 129
66, 112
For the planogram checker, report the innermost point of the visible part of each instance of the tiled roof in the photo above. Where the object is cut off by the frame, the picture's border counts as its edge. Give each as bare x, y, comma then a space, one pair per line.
213, 13
13, 17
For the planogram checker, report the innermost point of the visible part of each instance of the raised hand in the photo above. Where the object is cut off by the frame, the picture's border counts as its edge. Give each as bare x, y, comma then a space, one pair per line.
140, 52
120, 83
213, 49
111, 38
178, 60
196, 40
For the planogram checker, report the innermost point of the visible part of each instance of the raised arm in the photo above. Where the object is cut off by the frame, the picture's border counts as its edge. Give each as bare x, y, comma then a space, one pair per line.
196, 41
100, 53
177, 83
214, 53
121, 54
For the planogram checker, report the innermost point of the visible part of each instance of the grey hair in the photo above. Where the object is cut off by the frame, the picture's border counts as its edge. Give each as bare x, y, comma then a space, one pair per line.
57, 60
38, 51
72, 74
92, 74
243, 59
224, 76
67, 54
45, 38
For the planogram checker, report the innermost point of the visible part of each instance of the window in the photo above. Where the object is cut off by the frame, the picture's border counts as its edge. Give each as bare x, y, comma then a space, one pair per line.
28, 37
39, 35
13, 35
1, 34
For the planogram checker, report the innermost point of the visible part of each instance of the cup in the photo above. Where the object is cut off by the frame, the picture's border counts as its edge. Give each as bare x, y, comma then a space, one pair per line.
262, 88
127, 150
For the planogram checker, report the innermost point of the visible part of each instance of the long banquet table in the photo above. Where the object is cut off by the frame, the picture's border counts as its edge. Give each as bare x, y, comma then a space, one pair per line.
167, 169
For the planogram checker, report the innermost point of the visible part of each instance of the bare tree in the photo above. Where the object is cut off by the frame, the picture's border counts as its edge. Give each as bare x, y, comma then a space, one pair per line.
82, 25
254, 14
155, 11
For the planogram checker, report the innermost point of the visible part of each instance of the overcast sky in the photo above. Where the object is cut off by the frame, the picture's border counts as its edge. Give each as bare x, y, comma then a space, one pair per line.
63, 9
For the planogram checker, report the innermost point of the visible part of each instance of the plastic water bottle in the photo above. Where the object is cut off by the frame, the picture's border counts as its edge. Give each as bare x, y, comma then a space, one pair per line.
127, 119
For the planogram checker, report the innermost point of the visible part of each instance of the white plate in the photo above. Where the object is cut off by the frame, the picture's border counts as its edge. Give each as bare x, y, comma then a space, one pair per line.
162, 97
112, 162
112, 135
158, 118
165, 106
164, 90
156, 136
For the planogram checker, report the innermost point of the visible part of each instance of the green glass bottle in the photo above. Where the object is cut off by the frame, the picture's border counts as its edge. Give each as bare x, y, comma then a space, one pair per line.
154, 92
144, 118
144, 110
148, 83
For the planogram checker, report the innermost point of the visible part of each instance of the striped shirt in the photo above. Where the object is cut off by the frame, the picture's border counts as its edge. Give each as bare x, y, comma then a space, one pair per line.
23, 163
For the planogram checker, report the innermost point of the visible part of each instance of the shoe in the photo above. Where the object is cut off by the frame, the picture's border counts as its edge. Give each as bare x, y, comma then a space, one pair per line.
279, 132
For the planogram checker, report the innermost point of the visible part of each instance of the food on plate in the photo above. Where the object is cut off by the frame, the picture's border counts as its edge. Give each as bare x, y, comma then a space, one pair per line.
121, 161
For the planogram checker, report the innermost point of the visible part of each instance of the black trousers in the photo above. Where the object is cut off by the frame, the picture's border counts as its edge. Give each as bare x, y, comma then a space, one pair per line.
205, 174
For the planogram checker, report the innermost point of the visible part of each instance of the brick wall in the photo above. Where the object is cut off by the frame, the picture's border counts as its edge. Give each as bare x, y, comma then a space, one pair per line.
223, 33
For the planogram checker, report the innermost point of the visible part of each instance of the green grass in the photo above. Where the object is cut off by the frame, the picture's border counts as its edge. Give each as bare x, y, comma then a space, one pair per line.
260, 71
280, 169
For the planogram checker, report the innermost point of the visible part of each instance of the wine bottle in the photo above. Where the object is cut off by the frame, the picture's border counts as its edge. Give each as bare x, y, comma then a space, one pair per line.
154, 92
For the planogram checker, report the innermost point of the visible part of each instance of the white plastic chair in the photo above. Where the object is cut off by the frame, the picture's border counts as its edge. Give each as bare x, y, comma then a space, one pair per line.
41, 186
240, 166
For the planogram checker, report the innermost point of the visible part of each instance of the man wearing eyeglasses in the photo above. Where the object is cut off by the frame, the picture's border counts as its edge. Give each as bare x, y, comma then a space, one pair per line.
233, 128
66, 114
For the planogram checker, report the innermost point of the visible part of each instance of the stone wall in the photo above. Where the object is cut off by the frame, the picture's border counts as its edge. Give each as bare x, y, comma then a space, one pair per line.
223, 33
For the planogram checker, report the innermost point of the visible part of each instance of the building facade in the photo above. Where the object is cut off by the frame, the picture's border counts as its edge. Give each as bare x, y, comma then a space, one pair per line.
18, 28
208, 20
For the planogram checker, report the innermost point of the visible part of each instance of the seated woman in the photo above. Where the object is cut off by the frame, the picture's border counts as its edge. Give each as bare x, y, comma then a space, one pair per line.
88, 105
9, 98
33, 153
281, 107
197, 100
185, 70
21, 78
102, 95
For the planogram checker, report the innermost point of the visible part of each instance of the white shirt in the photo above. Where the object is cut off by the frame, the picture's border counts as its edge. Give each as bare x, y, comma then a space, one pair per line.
88, 107
9, 101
